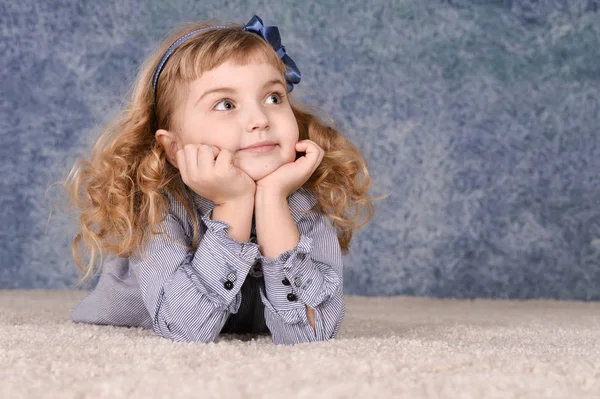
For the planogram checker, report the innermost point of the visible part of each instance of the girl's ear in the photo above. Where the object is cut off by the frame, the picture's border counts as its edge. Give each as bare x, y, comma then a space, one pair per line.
169, 142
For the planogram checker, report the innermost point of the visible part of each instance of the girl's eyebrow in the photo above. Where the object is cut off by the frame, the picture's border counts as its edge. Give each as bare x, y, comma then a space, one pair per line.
216, 90
272, 82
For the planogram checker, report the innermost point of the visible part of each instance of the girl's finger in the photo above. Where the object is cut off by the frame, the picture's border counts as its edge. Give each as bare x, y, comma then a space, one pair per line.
224, 160
314, 154
181, 164
311, 149
191, 159
303, 146
215, 151
206, 156
308, 146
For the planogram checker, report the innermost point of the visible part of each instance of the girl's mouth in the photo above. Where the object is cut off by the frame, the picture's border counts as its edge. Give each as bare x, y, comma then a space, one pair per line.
260, 148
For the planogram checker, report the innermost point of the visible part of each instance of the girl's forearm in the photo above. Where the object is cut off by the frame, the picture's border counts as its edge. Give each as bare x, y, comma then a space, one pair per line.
238, 215
276, 230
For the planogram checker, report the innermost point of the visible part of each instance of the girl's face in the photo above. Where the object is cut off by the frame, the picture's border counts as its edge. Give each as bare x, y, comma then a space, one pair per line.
244, 109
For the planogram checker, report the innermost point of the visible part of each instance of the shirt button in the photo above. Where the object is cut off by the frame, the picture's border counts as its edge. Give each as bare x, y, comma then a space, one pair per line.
285, 281
291, 297
228, 285
256, 267
297, 282
231, 277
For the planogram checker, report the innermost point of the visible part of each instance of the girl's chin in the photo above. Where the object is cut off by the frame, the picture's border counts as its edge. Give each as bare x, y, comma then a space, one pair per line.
258, 175
257, 172
260, 167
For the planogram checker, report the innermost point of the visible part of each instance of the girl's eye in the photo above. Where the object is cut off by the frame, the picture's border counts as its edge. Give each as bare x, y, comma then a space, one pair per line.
224, 105
274, 98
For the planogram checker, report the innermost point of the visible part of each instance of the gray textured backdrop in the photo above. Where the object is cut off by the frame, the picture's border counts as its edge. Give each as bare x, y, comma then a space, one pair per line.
481, 118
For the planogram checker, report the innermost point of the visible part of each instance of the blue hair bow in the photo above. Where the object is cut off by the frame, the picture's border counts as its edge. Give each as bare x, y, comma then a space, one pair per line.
271, 35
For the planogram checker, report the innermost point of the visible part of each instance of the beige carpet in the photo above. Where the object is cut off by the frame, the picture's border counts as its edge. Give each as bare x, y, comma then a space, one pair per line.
389, 348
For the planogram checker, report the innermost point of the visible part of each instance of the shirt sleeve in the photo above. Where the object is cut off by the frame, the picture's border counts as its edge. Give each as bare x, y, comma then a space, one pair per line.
190, 294
310, 274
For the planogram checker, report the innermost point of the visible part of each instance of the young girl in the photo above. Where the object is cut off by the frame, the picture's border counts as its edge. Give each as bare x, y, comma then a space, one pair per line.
221, 206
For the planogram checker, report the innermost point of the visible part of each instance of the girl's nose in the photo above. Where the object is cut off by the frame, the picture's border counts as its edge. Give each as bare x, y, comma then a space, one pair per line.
258, 120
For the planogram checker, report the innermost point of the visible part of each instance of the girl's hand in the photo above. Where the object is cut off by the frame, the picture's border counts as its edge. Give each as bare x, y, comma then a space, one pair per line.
211, 174
289, 177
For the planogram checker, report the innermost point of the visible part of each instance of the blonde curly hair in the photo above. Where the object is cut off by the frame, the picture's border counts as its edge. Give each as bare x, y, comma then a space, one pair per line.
119, 190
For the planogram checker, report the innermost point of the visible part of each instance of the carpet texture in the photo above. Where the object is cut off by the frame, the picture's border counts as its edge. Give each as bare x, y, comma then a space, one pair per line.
388, 348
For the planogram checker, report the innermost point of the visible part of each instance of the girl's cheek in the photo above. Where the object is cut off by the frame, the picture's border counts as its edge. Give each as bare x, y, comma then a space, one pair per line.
293, 155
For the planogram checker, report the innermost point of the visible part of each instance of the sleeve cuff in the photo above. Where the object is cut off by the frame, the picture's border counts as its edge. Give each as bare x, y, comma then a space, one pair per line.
220, 265
248, 251
290, 316
287, 258
293, 279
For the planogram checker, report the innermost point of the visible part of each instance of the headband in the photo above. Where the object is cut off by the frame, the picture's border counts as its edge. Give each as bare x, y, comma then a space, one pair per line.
255, 25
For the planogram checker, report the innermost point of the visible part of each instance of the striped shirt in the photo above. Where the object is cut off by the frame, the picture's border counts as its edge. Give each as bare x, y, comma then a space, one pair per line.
224, 286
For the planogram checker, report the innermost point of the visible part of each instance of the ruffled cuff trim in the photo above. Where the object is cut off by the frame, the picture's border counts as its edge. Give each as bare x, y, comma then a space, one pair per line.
246, 250
303, 248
